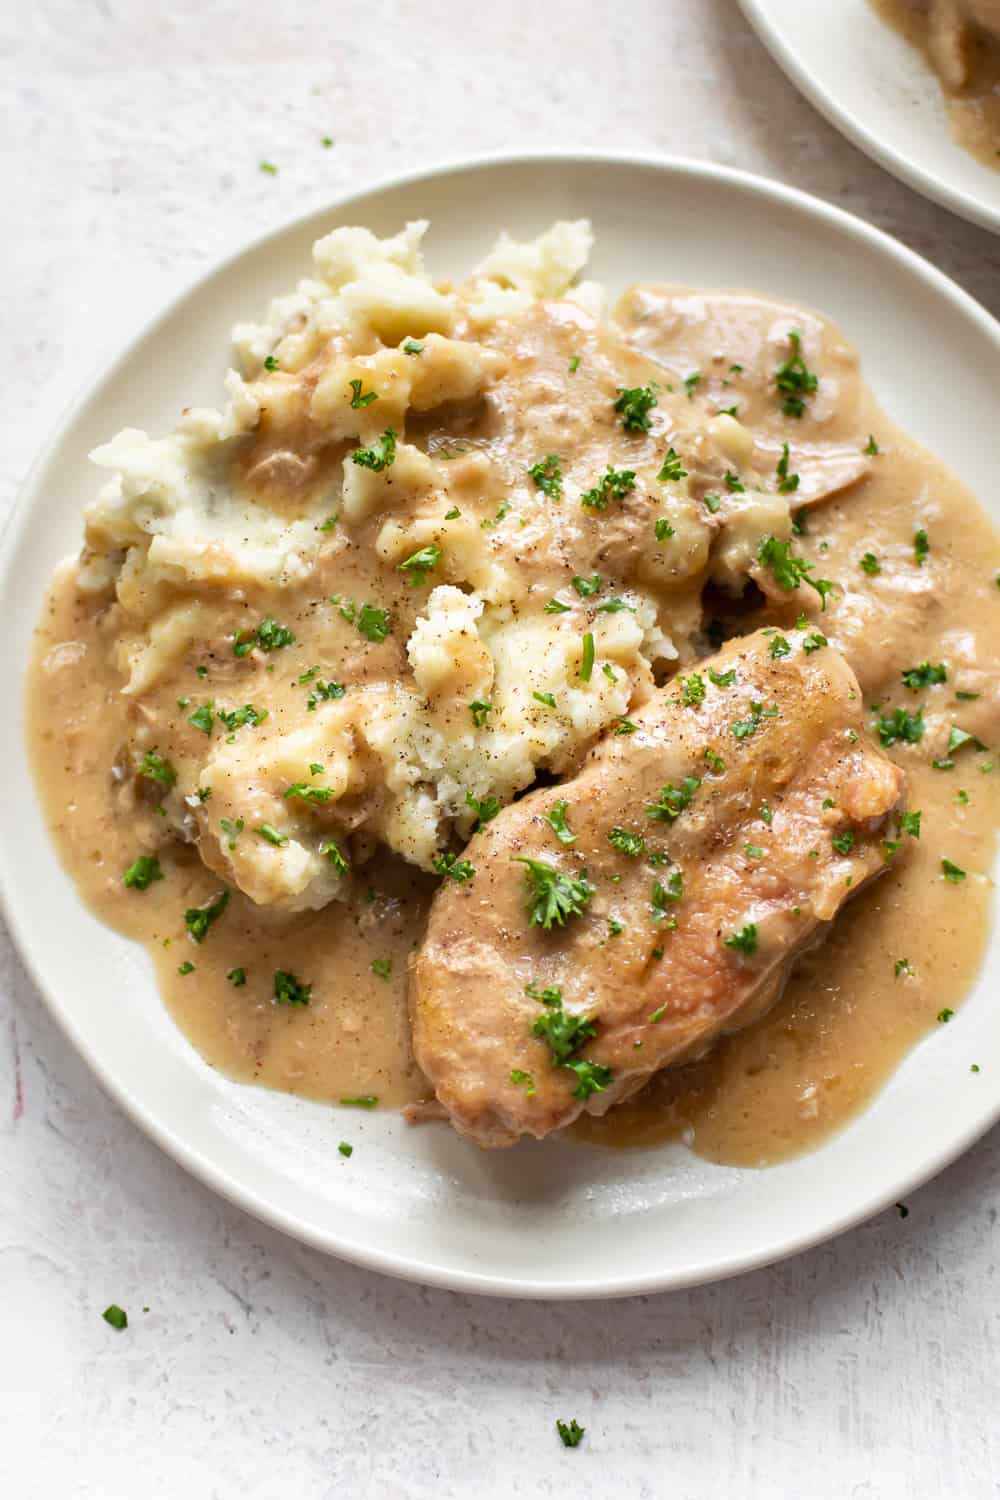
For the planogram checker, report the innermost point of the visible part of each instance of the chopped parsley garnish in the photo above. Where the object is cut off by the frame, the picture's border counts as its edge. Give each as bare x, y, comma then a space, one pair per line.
662, 895
570, 1433
485, 809
787, 483
952, 872
765, 814
322, 691
556, 820
925, 675
909, 822
411, 346
625, 726
790, 572
556, 607
198, 919
587, 587
330, 523
552, 895
734, 483
156, 768
902, 966
779, 647
663, 530
362, 1101
232, 828
591, 1078
453, 514
743, 941
118, 1318
587, 658
523, 1080
634, 405
202, 718
691, 383
142, 872
381, 454
693, 689
490, 524
269, 636
345, 1148
843, 842
547, 475
613, 484
187, 967
714, 762
871, 447
271, 835
271, 364
711, 503
547, 698
957, 738
674, 799
237, 978
331, 851
744, 729
563, 1030
382, 967
625, 842
794, 380
944, 1016
615, 927
268, 166
359, 401
418, 565
615, 607
672, 468
236, 718
450, 867
921, 547
723, 679
290, 991
373, 623
870, 564
301, 791
901, 727
479, 711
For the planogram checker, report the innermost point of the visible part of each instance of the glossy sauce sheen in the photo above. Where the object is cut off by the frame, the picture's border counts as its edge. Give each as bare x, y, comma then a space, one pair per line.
973, 105
846, 1019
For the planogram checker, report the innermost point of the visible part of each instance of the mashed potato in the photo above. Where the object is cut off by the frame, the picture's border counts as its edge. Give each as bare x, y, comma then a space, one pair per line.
439, 538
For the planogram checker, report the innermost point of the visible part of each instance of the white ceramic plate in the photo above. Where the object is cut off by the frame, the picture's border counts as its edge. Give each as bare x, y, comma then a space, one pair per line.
548, 1220
871, 84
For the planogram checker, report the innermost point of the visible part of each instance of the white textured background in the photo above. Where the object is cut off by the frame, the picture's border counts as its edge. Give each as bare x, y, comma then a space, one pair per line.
129, 149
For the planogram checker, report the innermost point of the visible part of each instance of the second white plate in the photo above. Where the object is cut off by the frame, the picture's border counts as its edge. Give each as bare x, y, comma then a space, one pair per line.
546, 1220
872, 85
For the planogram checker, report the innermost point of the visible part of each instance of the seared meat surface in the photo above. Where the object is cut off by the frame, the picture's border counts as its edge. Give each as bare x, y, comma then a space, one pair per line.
621, 922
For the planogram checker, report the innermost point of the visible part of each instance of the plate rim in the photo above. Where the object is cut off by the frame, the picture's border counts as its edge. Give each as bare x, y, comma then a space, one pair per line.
906, 170
194, 1159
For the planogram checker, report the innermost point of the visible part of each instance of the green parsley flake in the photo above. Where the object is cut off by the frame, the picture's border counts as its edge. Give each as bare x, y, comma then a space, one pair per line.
479, 711
290, 991
382, 967
745, 940
142, 872
450, 867
787, 483
901, 727
523, 1080
673, 800
547, 476
187, 967
587, 587
198, 919
691, 382
419, 564
237, 978
790, 572
921, 547
485, 809
779, 647
202, 718
672, 469
952, 872
843, 842
359, 1101
271, 835
625, 842
693, 689
924, 676
871, 448
345, 1149
155, 768
411, 346
556, 820
381, 455
663, 530
359, 401
570, 1433
552, 895
794, 380
870, 564
118, 1318
634, 405
614, 484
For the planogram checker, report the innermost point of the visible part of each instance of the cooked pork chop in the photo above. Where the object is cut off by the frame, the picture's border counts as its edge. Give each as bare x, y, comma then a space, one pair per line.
621, 922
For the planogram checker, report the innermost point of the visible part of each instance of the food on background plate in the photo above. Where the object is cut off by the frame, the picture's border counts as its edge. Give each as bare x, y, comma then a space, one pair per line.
447, 543
961, 41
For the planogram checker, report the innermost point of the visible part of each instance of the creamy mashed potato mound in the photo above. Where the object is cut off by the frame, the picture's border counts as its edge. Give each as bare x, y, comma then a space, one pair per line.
436, 541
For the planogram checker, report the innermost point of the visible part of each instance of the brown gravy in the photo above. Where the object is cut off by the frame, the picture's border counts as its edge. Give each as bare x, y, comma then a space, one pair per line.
971, 94
847, 1017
